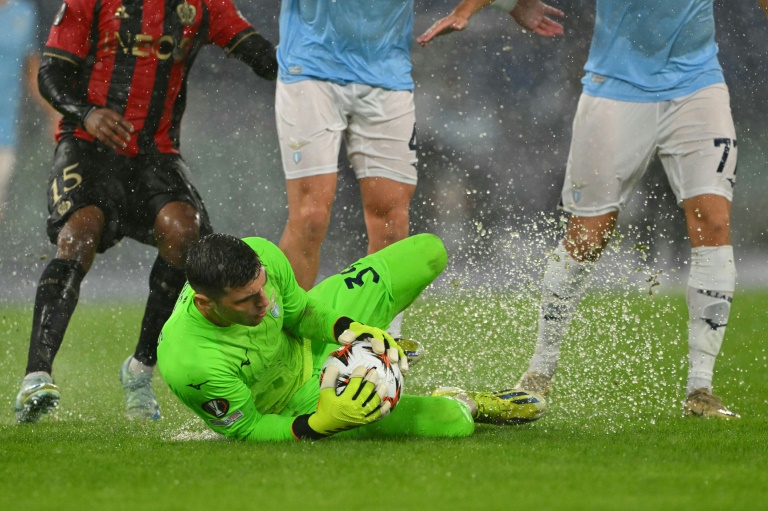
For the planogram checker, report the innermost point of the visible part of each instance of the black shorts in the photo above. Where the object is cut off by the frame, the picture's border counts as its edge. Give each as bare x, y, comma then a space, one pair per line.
130, 191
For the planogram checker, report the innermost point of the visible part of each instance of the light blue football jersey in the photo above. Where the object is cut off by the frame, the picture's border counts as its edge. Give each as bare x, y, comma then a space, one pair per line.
347, 41
652, 50
17, 40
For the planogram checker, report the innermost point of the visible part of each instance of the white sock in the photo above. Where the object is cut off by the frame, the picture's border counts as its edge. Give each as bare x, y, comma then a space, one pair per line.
137, 367
711, 284
396, 326
562, 290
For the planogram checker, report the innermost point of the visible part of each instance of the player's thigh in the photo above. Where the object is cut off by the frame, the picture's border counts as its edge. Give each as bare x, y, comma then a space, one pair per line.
420, 416
84, 176
611, 146
414, 263
159, 181
362, 292
380, 285
310, 123
381, 138
698, 145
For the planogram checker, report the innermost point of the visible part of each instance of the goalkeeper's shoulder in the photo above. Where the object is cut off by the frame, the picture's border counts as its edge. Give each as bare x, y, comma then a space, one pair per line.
268, 252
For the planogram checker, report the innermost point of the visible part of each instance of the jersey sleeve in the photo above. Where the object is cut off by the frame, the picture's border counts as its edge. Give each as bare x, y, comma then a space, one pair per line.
213, 390
226, 405
227, 24
70, 35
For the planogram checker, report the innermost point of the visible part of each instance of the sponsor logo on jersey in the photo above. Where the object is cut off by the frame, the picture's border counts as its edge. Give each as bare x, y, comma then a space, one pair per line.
218, 407
295, 70
146, 45
60, 14
225, 423
247, 360
275, 311
597, 78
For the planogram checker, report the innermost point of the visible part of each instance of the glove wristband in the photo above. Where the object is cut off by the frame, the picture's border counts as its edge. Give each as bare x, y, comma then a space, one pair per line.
341, 325
303, 431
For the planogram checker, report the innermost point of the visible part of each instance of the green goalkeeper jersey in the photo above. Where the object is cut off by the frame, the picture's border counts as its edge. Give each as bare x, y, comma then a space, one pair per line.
239, 379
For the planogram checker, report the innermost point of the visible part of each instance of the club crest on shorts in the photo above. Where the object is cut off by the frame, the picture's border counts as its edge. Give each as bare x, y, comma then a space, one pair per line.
63, 207
296, 145
576, 195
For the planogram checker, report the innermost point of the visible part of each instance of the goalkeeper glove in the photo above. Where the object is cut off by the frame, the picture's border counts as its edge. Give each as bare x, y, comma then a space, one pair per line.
348, 331
358, 405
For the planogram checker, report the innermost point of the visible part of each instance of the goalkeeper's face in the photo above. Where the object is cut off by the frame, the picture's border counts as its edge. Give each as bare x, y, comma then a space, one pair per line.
245, 305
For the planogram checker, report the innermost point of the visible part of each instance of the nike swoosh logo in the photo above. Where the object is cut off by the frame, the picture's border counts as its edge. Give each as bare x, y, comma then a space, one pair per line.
197, 387
713, 325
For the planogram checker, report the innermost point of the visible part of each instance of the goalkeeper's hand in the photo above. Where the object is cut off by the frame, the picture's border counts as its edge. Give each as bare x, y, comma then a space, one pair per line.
358, 405
381, 341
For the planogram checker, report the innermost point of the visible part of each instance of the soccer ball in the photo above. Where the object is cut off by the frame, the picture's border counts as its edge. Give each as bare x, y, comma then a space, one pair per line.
346, 358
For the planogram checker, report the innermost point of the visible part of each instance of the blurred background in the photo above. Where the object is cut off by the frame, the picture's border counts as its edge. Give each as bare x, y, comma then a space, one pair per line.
494, 111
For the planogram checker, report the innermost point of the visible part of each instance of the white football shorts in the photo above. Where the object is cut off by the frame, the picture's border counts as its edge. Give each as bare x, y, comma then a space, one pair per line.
614, 141
378, 126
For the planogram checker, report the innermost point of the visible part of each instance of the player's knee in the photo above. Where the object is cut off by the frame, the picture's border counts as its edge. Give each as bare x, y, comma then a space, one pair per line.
173, 248
310, 222
712, 231
586, 249
434, 249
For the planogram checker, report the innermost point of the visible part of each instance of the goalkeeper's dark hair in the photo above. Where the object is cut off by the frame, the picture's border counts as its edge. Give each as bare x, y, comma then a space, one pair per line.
219, 261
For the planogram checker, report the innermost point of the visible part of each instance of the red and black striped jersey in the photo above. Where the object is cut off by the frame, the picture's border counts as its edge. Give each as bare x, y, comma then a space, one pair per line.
136, 56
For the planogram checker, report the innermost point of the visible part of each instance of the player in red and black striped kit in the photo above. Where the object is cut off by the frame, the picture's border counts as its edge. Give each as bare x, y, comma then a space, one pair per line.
117, 71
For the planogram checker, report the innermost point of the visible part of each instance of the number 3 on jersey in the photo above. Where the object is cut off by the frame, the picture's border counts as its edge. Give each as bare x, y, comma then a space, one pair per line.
357, 280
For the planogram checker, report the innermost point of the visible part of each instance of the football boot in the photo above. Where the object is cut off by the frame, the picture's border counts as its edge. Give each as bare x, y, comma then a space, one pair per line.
140, 402
701, 403
512, 406
38, 396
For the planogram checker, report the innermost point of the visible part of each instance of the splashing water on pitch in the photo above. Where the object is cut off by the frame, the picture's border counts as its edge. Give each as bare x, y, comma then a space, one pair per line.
624, 358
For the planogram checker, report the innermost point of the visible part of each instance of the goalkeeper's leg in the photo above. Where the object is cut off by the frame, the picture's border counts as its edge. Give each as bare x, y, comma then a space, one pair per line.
410, 265
420, 416
414, 263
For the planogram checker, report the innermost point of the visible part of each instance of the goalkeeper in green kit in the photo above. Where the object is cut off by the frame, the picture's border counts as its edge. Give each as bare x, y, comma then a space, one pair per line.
244, 346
